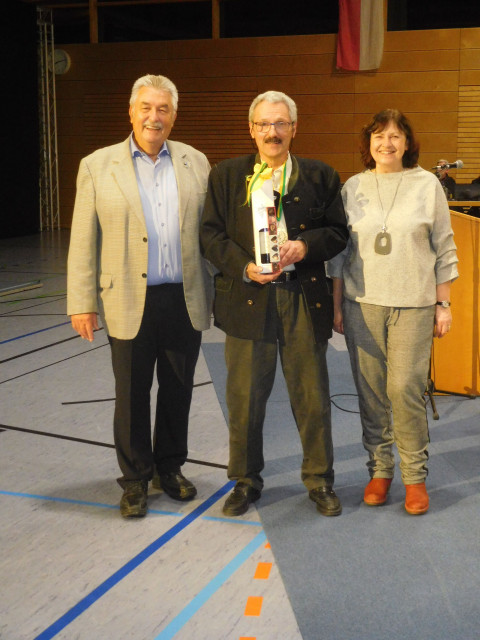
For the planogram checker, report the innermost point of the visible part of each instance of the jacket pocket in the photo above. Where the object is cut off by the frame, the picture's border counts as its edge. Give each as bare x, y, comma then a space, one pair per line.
222, 305
223, 285
315, 213
106, 281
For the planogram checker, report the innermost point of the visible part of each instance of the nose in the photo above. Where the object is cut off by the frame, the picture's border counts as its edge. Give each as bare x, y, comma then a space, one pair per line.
153, 115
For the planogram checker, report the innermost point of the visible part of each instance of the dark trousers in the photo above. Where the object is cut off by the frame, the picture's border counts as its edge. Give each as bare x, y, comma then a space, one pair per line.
251, 368
166, 339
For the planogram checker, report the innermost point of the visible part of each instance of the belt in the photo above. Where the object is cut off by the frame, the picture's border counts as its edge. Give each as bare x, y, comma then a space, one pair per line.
285, 276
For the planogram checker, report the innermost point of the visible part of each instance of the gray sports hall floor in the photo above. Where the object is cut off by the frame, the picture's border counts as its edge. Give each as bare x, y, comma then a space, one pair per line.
70, 567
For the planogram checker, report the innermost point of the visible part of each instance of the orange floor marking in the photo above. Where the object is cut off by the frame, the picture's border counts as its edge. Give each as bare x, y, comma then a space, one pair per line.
267, 546
263, 571
254, 606
245, 638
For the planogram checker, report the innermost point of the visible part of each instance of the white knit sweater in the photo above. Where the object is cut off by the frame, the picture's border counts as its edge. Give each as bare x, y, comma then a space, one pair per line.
423, 251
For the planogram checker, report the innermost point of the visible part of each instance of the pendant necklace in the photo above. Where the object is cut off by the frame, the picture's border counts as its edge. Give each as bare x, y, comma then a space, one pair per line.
383, 240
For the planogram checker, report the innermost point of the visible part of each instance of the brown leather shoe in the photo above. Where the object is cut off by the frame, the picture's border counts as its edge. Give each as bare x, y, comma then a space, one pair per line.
326, 500
134, 499
240, 499
175, 485
416, 500
376, 491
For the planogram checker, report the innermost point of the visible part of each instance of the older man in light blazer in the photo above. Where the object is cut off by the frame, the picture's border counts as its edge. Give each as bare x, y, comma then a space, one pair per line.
134, 258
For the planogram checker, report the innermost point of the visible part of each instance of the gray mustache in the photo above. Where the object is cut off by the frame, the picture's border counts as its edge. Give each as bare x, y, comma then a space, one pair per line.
153, 125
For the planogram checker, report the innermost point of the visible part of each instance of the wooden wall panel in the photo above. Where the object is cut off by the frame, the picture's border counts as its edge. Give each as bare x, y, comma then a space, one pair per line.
414, 61
423, 73
469, 76
325, 123
410, 103
420, 81
470, 38
425, 40
469, 130
470, 59
337, 103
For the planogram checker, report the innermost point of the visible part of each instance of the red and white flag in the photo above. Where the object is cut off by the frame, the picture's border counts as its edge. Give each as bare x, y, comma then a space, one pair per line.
360, 34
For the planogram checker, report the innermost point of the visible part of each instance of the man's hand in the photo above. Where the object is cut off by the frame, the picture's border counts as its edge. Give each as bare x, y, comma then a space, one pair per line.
85, 324
255, 273
292, 251
338, 321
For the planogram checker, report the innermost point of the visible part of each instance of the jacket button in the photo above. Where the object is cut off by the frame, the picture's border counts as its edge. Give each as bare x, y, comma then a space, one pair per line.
145, 239
144, 275
318, 305
250, 302
296, 199
313, 278
302, 227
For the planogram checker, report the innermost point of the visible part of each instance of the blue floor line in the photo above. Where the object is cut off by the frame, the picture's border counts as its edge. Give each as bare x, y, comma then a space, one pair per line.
114, 579
104, 505
32, 333
84, 503
234, 520
207, 592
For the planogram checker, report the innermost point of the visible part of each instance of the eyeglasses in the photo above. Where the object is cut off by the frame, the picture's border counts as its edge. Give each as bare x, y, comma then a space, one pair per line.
280, 126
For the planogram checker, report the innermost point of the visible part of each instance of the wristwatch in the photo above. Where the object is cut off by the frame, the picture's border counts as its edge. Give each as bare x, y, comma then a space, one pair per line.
444, 303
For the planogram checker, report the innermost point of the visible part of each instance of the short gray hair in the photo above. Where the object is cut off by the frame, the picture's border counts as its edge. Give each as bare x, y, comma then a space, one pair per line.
274, 96
161, 83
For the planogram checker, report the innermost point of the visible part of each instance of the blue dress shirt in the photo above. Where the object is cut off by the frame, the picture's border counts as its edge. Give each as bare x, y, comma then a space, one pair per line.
158, 189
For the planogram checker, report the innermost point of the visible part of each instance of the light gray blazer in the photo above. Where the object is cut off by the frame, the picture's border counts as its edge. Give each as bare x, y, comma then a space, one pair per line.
108, 254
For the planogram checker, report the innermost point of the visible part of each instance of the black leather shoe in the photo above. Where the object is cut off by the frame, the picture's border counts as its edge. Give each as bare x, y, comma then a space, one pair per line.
326, 500
240, 499
175, 485
134, 500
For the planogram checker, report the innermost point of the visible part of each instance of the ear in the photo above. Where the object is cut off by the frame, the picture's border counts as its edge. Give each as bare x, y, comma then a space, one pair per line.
294, 129
250, 126
130, 113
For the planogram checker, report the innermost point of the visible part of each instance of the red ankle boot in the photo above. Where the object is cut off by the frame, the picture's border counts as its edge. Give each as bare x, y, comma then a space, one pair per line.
376, 491
416, 499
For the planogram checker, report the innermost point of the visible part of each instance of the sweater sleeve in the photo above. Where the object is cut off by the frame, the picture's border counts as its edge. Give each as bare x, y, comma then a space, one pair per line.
442, 240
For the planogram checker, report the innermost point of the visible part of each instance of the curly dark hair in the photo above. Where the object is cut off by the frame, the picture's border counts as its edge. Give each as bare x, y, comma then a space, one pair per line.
378, 123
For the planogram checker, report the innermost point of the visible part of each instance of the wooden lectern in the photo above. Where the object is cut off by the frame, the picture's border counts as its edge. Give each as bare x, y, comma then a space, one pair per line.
456, 357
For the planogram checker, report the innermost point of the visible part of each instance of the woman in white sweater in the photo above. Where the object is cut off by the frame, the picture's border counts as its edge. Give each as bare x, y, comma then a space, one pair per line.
391, 295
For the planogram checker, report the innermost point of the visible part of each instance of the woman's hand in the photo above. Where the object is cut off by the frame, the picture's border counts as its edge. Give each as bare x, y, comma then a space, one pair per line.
443, 321
443, 315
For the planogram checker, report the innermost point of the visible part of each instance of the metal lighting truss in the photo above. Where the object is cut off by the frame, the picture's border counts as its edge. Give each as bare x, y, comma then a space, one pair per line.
48, 173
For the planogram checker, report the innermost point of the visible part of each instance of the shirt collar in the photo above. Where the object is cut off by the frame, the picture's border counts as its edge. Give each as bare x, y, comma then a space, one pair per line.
136, 152
288, 167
